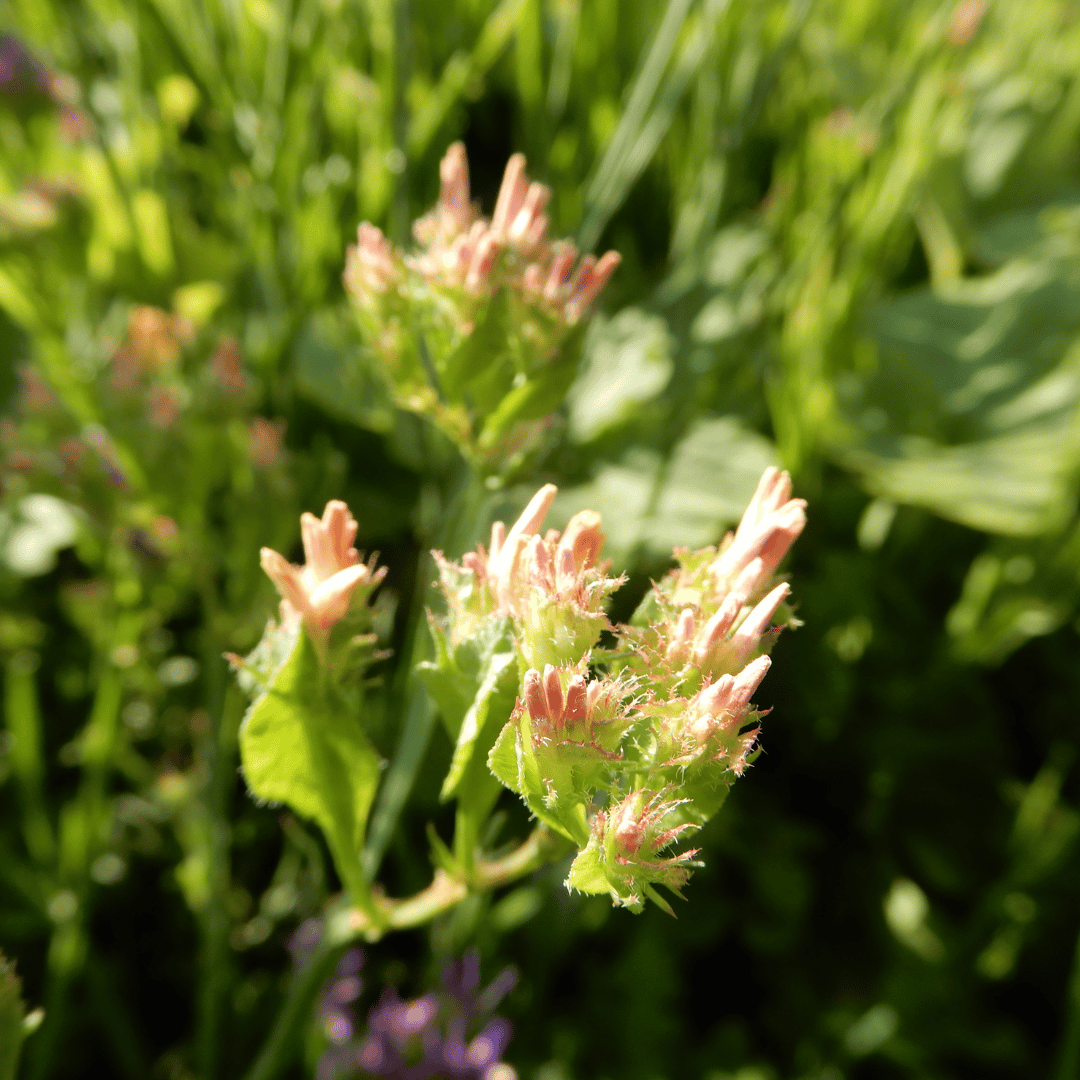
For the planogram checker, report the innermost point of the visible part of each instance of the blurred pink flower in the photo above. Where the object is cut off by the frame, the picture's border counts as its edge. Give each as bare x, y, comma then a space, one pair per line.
267, 437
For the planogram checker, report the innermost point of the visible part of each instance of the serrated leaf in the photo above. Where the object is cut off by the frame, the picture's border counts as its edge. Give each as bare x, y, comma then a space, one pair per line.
299, 748
274, 753
588, 874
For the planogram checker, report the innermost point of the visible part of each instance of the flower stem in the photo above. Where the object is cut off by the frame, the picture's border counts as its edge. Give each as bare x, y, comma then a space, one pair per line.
446, 891
456, 532
350, 925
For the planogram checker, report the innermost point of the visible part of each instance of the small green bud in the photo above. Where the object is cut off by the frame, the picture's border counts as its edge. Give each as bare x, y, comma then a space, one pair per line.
622, 856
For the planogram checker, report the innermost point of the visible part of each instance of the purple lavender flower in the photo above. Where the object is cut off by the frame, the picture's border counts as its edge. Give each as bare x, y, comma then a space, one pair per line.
445, 1035
304, 942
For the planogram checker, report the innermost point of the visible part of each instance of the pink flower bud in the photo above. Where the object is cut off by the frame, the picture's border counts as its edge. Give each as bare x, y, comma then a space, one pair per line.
768, 528
370, 267
584, 538
717, 627
592, 276
684, 633
747, 682
164, 407
267, 438
487, 251
321, 590
505, 556
535, 698
714, 699
751, 576
745, 640
511, 198
454, 187
553, 692
577, 699
627, 825
561, 265
226, 366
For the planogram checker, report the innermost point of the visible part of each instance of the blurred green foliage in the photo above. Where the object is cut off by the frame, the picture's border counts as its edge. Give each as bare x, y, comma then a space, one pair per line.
850, 232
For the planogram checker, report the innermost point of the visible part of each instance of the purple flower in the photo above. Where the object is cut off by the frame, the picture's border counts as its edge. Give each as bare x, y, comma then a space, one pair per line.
445, 1035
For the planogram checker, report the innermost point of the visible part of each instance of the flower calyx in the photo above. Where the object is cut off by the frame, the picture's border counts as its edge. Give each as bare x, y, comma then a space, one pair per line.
623, 855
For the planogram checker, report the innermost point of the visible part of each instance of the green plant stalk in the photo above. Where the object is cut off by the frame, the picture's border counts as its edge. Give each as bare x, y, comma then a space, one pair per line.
80, 830
329, 768
457, 532
348, 926
23, 717
225, 706
67, 949
278, 1050
11, 1020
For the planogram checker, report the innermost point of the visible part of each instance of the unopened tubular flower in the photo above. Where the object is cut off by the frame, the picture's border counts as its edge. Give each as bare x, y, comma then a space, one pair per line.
321, 591
771, 524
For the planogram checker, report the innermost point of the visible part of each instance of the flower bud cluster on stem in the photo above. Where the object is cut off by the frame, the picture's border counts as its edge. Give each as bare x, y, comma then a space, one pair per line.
469, 326
626, 750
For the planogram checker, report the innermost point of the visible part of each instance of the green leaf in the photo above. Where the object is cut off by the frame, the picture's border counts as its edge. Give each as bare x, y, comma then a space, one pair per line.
494, 701
1016, 485
304, 747
970, 409
626, 361
11, 1020
514, 763
474, 685
588, 872
333, 371
456, 674
687, 501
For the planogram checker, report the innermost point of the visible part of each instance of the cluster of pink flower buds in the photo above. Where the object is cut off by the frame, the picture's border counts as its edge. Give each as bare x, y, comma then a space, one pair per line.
565, 707
553, 585
663, 733
469, 327
322, 590
459, 249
